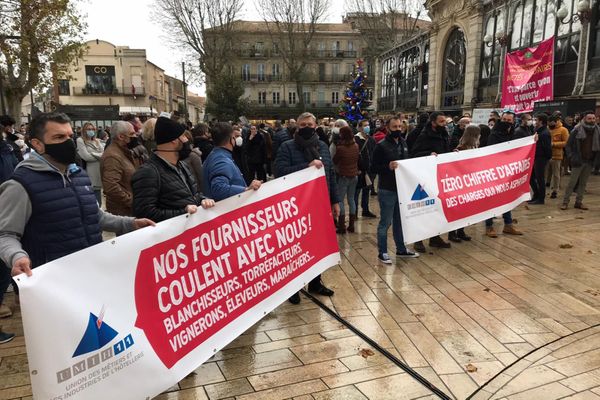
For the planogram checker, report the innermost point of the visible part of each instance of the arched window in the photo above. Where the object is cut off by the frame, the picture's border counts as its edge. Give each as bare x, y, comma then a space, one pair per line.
425, 76
595, 34
453, 78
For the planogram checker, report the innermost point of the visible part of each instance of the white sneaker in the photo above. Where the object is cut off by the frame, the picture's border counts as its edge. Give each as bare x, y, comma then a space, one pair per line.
384, 258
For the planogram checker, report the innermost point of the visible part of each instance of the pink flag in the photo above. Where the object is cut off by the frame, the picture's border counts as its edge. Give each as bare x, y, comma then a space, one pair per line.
528, 77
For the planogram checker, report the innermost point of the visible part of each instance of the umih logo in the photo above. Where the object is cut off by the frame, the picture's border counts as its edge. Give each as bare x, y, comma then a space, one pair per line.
420, 198
98, 334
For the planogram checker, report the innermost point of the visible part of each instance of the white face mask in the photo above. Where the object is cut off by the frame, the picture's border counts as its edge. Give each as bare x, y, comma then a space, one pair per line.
239, 141
20, 142
530, 122
336, 130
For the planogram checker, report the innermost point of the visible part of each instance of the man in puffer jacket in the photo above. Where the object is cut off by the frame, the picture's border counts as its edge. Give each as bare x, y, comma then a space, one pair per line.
164, 187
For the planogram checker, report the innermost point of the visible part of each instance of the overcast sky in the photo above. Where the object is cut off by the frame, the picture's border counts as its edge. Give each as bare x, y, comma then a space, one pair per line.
128, 23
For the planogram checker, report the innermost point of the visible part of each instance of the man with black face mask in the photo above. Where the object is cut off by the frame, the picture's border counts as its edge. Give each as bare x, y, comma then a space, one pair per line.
303, 151
49, 208
164, 187
502, 132
433, 140
117, 166
583, 147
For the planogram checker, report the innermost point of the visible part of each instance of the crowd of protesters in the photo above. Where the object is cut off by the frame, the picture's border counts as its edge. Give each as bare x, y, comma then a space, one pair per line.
61, 188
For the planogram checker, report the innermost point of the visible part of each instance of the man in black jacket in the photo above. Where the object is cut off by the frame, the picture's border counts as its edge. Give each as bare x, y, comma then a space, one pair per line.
411, 138
432, 141
164, 187
384, 163
303, 151
525, 129
543, 154
503, 132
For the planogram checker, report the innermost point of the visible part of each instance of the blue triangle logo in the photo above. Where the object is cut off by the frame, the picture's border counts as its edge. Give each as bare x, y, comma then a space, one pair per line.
95, 337
419, 194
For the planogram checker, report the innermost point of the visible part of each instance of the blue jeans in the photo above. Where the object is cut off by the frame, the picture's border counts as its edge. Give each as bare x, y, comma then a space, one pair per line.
347, 188
507, 216
390, 215
364, 199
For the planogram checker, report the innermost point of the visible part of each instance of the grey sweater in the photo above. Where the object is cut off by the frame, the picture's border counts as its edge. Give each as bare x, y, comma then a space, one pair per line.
15, 211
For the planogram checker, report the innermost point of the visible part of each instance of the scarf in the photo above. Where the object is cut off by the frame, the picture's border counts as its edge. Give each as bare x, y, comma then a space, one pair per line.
309, 147
582, 133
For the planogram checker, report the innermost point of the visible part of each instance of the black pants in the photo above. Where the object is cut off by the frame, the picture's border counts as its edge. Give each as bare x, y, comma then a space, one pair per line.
5, 280
257, 171
538, 180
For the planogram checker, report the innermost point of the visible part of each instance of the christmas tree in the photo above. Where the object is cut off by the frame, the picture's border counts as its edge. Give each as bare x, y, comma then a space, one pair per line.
353, 106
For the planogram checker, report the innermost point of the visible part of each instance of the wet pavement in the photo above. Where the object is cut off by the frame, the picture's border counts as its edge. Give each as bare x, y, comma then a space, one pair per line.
458, 317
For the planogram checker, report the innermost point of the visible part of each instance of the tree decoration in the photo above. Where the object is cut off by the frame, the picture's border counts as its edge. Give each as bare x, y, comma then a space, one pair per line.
355, 101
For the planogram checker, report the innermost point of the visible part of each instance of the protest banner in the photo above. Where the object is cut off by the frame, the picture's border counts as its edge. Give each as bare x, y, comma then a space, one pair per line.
130, 317
528, 77
438, 194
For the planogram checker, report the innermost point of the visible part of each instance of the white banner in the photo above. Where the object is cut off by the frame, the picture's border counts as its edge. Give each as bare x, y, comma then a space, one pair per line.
438, 194
130, 317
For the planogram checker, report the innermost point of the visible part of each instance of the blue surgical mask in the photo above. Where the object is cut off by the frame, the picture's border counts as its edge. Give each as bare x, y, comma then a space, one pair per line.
90, 133
367, 130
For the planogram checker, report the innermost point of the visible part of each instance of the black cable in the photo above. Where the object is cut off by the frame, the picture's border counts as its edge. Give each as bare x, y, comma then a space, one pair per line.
522, 357
380, 349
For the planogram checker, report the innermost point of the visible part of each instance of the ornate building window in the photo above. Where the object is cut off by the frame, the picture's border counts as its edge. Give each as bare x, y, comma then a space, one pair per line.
595, 34
535, 21
491, 52
387, 83
453, 78
407, 79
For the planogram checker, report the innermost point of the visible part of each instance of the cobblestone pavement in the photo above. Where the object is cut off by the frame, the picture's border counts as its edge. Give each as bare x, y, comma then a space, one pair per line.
456, 316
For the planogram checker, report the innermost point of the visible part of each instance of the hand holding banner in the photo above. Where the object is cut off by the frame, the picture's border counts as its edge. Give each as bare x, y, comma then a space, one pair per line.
450, 191
171, 296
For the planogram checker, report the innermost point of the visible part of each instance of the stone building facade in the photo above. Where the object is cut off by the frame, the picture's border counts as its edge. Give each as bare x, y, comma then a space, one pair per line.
468, 41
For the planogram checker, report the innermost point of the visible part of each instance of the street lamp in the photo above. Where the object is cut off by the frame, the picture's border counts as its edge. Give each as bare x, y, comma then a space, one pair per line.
584, 13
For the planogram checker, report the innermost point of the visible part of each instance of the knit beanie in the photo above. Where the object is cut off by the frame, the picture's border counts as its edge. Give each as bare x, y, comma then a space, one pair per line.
167, 130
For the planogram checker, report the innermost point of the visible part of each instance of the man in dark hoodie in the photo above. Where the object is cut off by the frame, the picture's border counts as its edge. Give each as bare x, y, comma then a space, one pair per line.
582, 148
503, 132
432, 141
543, 154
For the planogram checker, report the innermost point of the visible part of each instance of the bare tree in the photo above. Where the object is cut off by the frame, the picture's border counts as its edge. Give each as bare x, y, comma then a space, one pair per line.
384, 23
39, 39
292, 25
207, 28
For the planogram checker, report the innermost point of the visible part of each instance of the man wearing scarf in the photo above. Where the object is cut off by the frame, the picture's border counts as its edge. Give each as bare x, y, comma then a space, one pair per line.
303, 151
582, 148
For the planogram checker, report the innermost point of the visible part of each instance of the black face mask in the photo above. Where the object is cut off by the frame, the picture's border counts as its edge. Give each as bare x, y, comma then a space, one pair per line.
12, 136
185, 150
306, 133
396, 134
64, 152
133, 143
503, 127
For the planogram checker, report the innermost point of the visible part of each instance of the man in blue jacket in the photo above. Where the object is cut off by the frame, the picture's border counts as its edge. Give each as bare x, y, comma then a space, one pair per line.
222, 177
303, 151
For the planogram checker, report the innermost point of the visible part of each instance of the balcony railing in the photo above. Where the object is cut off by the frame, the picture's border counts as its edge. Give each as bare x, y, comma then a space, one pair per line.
261, 78
114, 91
266, 53
308, 77
284, 104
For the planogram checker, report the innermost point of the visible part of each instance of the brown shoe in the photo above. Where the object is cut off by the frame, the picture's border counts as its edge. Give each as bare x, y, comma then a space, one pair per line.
5, 312
580, 206
490, 232
564, 206
510, 230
